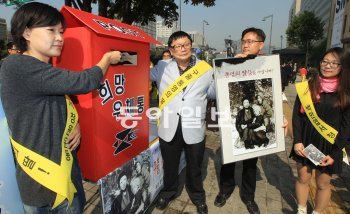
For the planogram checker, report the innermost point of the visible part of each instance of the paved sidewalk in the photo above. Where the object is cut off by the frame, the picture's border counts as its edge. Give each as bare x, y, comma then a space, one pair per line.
275, 181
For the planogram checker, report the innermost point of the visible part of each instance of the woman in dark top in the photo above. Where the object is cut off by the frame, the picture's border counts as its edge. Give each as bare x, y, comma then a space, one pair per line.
245, 117
33, 95
329, 91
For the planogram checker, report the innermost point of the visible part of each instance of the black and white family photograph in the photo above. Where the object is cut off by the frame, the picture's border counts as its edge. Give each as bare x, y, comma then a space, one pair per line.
251, 107
249, 101
127, 189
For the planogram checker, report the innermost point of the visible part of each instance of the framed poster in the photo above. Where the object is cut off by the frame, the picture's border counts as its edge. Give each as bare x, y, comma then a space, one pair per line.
127, 189
249, 100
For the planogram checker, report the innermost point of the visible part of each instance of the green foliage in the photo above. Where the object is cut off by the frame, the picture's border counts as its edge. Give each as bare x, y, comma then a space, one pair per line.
304, 28
17, 3
207, 3
316, 53
140, 11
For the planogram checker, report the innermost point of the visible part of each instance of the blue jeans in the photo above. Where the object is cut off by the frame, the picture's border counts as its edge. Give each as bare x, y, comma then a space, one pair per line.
77, 207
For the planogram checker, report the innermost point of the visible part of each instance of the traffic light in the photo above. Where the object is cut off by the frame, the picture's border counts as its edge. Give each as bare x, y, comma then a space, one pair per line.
14, 2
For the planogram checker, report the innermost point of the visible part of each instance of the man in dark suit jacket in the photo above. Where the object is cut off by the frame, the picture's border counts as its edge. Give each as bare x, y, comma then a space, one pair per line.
252, 41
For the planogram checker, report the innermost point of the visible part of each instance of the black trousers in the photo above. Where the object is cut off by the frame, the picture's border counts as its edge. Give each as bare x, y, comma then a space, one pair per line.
171, 152
227, 179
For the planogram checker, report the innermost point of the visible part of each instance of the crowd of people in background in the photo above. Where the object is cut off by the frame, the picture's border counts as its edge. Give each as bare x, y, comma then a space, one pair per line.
291, 70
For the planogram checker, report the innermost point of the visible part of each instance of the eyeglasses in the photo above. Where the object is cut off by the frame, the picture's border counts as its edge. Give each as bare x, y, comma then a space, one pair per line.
14, 49
178, 47
249, 41
331, 64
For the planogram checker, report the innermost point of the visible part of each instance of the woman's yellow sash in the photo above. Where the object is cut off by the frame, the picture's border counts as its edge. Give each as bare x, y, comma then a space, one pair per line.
46, 172
327, 132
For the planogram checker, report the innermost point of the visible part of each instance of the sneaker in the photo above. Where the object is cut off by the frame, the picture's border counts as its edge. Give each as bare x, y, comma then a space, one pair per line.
284, 98
301, 210
220, 199
252, 207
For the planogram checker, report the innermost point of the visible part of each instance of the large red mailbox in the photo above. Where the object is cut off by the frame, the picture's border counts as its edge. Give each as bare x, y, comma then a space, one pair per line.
113, 119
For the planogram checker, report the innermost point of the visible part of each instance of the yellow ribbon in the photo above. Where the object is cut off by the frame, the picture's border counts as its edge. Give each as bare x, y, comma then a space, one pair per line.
325, 130
46, 172
181, 82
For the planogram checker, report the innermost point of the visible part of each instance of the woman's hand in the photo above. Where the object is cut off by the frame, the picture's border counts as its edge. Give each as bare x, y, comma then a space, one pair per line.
299, 149
74, 138
327, 161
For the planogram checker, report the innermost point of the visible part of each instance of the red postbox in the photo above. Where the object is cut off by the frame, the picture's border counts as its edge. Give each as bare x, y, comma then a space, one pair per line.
113, 119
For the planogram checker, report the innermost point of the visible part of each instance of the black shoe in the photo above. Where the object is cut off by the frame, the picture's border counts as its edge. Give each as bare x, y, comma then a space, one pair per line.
162, 203
220, 199
252, 207
202, 208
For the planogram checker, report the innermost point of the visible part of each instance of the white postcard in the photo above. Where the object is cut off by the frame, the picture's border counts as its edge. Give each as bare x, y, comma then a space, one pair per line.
313, 154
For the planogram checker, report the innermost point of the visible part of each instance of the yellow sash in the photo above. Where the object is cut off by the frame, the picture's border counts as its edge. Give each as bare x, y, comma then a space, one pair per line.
183, 81
46, 172
327, 132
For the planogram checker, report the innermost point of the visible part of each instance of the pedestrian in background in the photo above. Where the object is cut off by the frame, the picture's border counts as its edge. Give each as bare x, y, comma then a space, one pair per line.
330, 95
294, 73
303, 73
166, 55
11, 49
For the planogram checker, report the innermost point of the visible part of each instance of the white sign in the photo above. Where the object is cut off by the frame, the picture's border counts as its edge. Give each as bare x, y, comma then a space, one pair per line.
338, 24
249, 98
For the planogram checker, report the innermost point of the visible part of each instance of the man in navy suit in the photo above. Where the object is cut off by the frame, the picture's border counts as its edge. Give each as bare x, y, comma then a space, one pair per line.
182, 123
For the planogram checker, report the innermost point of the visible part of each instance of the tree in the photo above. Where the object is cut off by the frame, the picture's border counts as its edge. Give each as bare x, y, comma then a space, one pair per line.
303, 30
84, 5
140, 11
315, 53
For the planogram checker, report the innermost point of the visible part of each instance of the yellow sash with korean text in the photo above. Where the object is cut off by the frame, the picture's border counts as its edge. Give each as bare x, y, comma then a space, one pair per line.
183, 81
327, 132
46, 172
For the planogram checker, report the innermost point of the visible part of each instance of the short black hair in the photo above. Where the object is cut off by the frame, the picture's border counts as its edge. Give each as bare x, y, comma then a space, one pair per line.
31, 15
166, 51
122, 174
260, 33
246, 98
177, 35
9, 45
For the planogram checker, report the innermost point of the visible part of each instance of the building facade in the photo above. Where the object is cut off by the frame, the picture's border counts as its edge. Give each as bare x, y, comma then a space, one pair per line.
346, 26
164, 32
197, 38
321, 9
294, 10
339, 30
150, 29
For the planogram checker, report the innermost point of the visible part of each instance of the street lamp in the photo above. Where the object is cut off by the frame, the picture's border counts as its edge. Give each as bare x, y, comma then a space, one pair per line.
204, 22
281, 41
270, 16
180, 14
